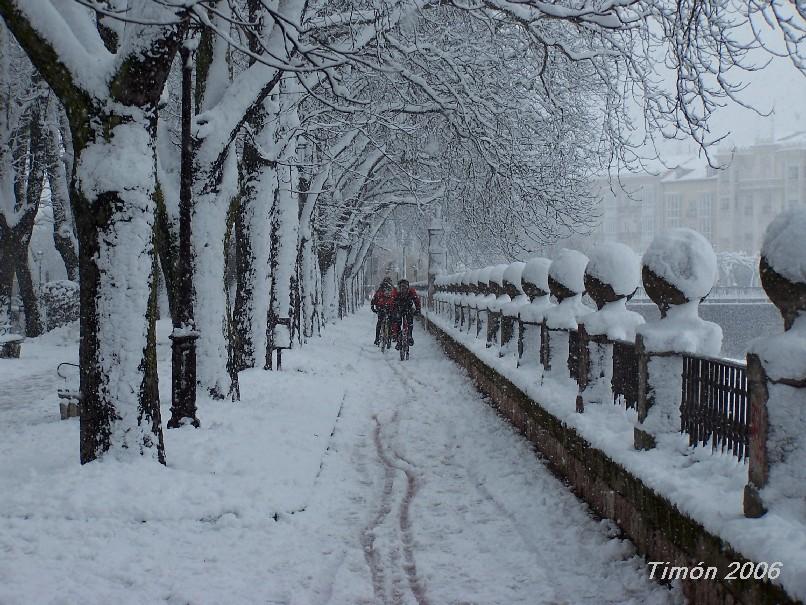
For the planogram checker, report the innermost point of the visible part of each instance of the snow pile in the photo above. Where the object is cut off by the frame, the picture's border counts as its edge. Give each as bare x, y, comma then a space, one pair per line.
536, 272
497, 274
682, 331
60, 300
485, 300
497, 277
568, 269
685, 259
566, 315
784, 245
613, 320
513, 276
617, 265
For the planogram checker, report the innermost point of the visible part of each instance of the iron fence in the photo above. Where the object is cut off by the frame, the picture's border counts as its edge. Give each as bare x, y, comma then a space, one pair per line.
714, 405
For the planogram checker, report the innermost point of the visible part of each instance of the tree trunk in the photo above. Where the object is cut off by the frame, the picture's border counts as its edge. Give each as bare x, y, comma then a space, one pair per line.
63, 235
6, 276
33, 318
118, 362
252, 246
211, 210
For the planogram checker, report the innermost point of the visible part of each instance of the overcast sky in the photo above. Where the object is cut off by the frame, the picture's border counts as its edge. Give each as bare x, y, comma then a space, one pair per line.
778, 87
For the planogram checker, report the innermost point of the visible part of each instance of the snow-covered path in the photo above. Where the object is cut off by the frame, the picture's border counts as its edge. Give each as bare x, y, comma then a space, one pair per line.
452, 505
420, 495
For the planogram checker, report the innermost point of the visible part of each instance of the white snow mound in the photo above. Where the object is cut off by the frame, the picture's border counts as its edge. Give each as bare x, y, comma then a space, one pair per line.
784, 244
685, 259
513, 274
536, 272
615, 264
569, 270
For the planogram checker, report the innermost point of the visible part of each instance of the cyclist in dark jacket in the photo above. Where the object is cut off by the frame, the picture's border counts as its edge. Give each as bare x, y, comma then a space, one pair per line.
382, 305
406, 304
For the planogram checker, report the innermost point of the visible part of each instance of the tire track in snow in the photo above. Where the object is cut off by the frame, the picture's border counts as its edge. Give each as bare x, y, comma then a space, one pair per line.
392, 465
368, 534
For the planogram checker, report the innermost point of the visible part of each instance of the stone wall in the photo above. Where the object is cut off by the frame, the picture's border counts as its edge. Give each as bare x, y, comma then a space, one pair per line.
659, 531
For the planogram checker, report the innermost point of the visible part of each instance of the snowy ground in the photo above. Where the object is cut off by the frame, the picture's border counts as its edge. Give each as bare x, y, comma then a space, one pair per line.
348, 478
707, 486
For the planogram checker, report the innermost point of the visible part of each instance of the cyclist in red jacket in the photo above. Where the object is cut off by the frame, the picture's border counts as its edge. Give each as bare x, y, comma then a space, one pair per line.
382, 305
406, 304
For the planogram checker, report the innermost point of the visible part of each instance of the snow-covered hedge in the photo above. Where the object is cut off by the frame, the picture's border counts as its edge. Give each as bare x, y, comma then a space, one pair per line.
60, 300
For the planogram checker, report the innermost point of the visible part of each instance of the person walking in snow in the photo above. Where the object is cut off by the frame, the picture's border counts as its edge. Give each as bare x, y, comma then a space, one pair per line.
406, 304
382, 305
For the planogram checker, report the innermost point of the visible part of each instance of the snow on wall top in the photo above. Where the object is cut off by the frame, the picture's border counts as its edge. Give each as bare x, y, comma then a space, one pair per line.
467, 278
497, 274
536, 272
784, 245
569, 269
513, 274
685, 259
615, 264
483, 276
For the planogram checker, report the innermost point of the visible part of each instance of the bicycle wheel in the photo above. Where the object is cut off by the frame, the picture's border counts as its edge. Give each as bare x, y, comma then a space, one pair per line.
386, 337
403, 334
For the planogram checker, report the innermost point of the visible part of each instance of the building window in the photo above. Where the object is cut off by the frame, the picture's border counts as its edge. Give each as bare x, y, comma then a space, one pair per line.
724, 203
706, 205
674, 202
792, 173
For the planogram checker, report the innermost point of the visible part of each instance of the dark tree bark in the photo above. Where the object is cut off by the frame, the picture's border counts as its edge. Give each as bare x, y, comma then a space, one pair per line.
63, 230
28, 154
118, 383
243, 345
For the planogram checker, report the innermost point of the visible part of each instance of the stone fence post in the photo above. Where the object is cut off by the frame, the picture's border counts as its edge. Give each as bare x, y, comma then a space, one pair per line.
679, 270
776, 373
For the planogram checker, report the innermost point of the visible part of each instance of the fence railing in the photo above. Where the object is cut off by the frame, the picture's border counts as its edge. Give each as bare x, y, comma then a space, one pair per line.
624, 381
714, 406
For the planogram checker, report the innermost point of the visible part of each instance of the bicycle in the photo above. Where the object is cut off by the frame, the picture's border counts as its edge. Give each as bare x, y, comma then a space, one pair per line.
386, 333
403, 337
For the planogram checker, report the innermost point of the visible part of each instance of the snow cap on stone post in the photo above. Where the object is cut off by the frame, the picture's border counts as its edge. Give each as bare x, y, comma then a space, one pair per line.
535, 277
473, 281
496, 279
612, 273
512, 279
483, 280
678, 267
783, 264
567, 274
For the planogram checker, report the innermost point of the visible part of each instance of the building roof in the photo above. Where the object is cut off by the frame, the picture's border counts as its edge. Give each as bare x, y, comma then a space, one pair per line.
693, 169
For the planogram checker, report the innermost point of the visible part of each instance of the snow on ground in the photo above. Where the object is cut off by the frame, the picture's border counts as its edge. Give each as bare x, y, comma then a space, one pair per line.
707, 486
421, 494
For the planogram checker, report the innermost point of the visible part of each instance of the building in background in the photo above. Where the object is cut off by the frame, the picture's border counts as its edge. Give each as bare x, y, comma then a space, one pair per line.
731, 206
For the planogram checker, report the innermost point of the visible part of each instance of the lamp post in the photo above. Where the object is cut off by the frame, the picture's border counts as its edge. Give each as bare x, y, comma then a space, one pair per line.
437, 254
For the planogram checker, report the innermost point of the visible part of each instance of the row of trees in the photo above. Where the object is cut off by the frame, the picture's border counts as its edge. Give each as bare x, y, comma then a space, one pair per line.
250, 150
